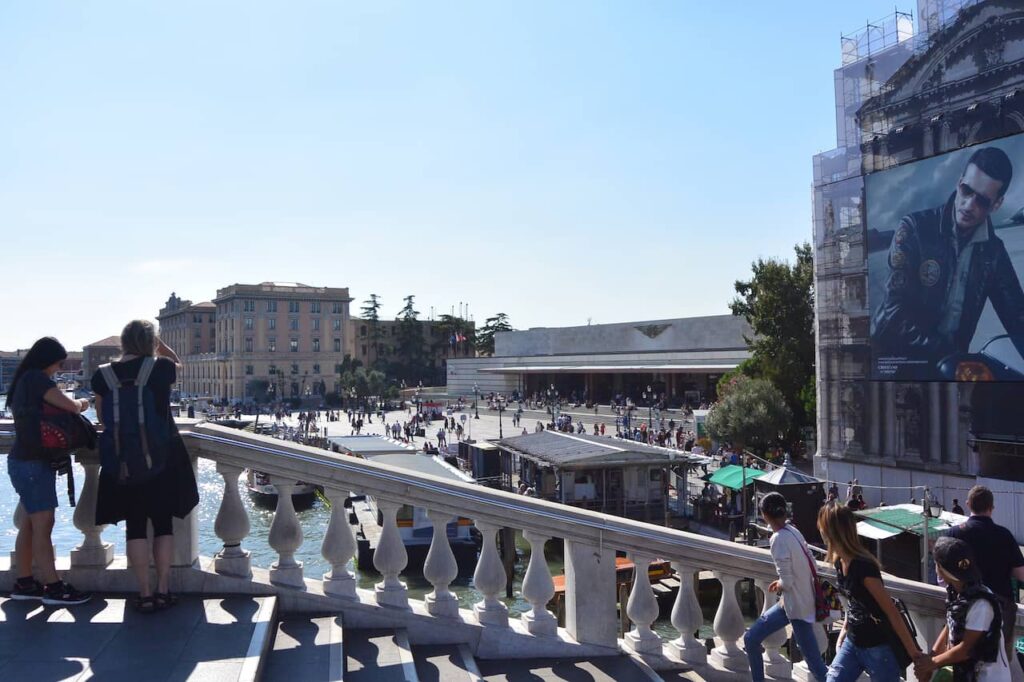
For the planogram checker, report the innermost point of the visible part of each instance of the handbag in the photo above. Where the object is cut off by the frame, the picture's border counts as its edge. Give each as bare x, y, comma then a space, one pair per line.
822, 609
61, 432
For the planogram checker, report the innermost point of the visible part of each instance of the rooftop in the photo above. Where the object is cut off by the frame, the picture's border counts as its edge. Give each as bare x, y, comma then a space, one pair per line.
563, 450
365, 446
109, 342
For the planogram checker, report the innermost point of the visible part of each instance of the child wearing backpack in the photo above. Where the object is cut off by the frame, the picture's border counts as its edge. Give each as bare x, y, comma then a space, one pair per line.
146, 476
972, 641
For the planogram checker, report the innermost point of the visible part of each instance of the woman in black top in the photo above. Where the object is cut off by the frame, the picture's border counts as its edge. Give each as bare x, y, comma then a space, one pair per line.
871, 616
172, 493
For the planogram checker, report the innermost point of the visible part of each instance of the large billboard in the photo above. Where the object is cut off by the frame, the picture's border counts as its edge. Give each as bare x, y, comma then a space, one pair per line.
945, 240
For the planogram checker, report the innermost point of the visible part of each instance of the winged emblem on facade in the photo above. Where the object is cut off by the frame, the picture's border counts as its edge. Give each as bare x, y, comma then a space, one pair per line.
651, 330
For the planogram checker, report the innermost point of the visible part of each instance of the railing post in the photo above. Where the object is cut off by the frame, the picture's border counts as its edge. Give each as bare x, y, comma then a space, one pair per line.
729, 628
538, 588
440, 568
93, 551
589, 572
642, 609
775, 664
231, 526
285, 537
687, 618
489, 578
338, 548
390, 558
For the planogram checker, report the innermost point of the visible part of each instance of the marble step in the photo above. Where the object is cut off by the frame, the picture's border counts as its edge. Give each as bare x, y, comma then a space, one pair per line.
602, 669
445, 663
306, 648
378, 655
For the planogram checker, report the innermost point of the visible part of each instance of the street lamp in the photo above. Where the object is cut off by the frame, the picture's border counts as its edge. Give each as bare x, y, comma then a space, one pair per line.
553, 401
476, 397
501, 408
930, 509
649, 397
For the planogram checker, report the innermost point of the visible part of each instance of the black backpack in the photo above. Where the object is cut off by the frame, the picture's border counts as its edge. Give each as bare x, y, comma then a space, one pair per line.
136, 439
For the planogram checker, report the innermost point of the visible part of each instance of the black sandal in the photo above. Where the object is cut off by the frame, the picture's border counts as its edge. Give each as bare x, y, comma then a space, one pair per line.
145, 604
164, 600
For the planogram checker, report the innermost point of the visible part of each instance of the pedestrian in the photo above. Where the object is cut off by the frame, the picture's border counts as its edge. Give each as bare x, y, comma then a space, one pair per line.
873, 625
170, 493
999, 559
972, 640
33, 478
796, 585
957, 509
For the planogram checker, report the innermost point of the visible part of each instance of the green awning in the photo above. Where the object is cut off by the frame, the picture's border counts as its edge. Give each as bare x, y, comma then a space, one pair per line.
892, 521
732, 476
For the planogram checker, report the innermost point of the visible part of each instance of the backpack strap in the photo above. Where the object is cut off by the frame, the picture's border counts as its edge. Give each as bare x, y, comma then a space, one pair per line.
114, 384
140, 385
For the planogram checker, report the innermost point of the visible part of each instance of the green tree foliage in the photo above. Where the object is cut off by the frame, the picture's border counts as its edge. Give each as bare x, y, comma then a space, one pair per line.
258, 390
371, 313
752, 414
446, 326
485, 337
411, 363
778, 303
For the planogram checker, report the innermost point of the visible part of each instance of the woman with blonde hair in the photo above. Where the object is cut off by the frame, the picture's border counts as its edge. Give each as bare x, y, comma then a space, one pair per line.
171, 492
873, 625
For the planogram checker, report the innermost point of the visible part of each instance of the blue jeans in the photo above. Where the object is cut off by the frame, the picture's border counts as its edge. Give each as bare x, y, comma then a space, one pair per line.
773, 620
35, 482
851, 661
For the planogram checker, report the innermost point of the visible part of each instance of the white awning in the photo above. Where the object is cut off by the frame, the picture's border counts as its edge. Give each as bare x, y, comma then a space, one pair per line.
867, 530
587, 369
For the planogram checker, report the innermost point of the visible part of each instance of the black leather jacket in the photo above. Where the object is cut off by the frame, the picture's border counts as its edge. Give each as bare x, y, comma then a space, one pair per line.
922, 264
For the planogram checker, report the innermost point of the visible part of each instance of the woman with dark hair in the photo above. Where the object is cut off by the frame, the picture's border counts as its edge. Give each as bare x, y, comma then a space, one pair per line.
873, 625
33, 477
793, 561
171, 493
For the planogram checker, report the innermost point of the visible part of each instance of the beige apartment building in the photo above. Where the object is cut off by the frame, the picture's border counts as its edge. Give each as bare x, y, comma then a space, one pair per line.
99, 353
191, 330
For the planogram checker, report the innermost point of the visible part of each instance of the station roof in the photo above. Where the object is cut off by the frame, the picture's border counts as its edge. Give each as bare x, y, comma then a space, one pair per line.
653, 367
421, 464
580, 451
366, 446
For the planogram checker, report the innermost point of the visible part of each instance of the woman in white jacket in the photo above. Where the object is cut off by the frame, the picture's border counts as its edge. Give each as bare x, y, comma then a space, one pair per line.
792, 561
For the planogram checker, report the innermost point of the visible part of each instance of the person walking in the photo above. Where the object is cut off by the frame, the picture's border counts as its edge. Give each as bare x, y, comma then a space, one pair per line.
33, 478
999, 559
873, 626
793, 562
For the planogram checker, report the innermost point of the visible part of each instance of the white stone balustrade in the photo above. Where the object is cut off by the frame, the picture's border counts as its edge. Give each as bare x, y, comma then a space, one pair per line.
729, 628
338, 548
775, 664
538, 588
687, 618
285, 537
642, 609
440, 568
390, 558
489, 579
231, 526
93, 551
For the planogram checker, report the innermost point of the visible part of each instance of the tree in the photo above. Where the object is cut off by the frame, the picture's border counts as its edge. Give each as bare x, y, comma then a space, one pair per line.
492, 325
450, 328
258, 390
778, 303
411, 362
371, 313
751, 414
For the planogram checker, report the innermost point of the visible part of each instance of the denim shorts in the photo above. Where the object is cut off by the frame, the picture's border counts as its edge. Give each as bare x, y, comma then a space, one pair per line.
35, 482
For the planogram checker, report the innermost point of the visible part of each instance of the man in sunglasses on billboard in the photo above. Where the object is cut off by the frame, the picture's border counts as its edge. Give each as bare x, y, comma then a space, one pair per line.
945, 263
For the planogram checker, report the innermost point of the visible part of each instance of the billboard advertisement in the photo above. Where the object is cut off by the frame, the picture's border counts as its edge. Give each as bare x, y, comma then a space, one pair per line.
945, 240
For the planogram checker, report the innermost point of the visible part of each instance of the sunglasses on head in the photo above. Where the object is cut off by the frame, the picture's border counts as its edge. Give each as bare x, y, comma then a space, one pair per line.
967, 191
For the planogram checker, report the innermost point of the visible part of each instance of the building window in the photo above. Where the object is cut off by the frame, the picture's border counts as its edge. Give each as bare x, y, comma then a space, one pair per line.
197, 318
362, 330
314, 307
248, 323
316, 369
213, 346
271, 306
316, 345
293, 345
293, 306
248, 306
293, 324
272, 344
295, 368
248, 344
316, 324
336, 324
337, 368
272, 370
336, 307
364, 349
195, 349
248, 370
337, 345
198, 334
272, 323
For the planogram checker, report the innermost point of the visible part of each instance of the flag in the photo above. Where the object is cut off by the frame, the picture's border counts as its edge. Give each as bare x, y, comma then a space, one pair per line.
453, 340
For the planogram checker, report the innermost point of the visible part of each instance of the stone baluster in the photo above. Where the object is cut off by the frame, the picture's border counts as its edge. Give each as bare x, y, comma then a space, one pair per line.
231, 526
390, 558
775, 664
642, 609
489, 579
338, 548
729, 628
285, 537
538, 588
687, 618
440, 568
93, 551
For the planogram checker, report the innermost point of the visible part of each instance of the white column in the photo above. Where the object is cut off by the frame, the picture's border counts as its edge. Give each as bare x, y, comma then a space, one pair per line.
285, 537
642, 609
489, 579
440, 568
390, 558
231, 526
93, 551
687, 618
729, 628
889, 420
538, 588
338, 548
775, 664
875, 401
954, 453
934, 419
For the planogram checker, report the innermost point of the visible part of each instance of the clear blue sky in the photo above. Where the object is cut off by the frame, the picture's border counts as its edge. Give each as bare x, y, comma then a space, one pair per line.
556, 161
